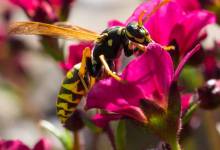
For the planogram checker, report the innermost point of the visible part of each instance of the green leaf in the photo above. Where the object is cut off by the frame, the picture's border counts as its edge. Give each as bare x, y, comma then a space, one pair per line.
174, 104
173, 118
90, 124
165, 123
64, 137
120, 135
191, 78
138, 136
193, 107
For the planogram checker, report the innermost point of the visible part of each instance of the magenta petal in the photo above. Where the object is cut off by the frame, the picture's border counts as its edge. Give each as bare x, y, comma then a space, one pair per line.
112, 23
13, 145
189, 5
184, 60
45, 6
148, 76
99, 97
158, 22
148, 6
28, 5
152, 73
43, 144
185, 101
123, 100
102, 120
186, 32
74, 55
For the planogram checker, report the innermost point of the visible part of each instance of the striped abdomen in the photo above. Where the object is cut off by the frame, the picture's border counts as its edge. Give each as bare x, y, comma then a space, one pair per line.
70, 94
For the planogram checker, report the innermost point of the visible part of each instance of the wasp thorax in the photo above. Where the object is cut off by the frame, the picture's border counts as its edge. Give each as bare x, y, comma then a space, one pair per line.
137, 33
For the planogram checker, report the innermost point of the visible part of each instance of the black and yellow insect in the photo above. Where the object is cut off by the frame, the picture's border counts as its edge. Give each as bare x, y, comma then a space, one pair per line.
107, 47
71, 93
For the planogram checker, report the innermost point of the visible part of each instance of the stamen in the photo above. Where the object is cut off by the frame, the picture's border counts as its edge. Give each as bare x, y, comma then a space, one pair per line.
163, 2
140, 18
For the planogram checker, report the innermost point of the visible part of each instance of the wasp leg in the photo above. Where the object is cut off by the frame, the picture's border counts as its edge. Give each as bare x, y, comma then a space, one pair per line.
108, 70
140, 47
86, 54
82, 69
169, 47
92, 82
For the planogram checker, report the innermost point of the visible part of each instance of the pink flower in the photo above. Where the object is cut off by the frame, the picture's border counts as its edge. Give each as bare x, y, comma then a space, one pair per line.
74, 55
37, 10
186, 101
189, 5
209, 94
171, 24
148, 77
61, 7
47, 11
43, 144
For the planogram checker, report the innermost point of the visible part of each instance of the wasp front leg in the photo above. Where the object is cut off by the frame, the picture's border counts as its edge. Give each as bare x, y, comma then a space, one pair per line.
108, 70
131, 47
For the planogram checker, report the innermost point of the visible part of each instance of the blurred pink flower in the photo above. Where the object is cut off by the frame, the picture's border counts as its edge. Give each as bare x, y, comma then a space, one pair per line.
43, 144
74, 55
209, 94
47, 11
148, 77
210, 66
185, 101
189, 5
3, 35
37, 10
171, 24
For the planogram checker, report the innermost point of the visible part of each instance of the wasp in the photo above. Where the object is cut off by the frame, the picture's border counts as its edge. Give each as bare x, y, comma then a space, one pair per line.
107, 47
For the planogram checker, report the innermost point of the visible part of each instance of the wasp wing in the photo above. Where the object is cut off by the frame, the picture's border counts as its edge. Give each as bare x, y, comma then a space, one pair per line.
74, 27
37, 28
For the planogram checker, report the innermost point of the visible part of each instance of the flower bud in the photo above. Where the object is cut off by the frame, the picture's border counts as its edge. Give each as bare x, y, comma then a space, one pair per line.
209, 94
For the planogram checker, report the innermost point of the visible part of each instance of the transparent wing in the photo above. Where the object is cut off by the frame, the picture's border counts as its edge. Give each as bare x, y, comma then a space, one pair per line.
65, 32
74, 27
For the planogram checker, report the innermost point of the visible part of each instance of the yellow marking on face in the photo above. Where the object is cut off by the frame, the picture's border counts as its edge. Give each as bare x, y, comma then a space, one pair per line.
69, 74
73, 87
65, 106
110, 42
148, 38
129, 34
119, 31
140, 40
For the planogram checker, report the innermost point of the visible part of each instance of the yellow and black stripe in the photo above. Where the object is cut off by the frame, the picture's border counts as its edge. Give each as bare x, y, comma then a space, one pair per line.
70, 94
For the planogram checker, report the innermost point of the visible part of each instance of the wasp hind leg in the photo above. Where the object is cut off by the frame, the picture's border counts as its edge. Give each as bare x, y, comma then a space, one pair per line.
82, 69
108, 70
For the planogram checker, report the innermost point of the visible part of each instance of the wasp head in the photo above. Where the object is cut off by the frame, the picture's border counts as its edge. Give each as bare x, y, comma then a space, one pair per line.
137, 33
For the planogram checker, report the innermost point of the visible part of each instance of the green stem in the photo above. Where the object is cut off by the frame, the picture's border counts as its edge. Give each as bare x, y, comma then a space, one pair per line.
76, 141
175, 145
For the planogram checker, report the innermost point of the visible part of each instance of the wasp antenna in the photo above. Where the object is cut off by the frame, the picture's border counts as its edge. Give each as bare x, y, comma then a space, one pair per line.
140, 18
160, 4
